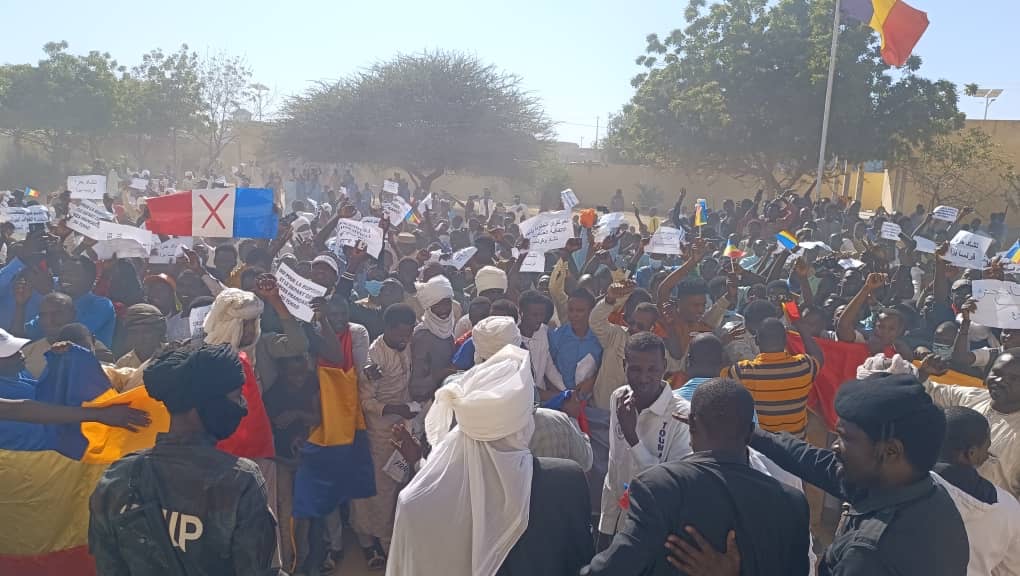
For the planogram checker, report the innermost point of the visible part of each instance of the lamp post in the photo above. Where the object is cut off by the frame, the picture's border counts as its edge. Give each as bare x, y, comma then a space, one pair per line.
990, 95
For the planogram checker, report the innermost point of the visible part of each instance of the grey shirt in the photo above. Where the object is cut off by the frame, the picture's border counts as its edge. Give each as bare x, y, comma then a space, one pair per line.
430, 362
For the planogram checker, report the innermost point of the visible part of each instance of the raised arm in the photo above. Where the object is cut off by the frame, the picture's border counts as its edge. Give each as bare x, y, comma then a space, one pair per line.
817, 466
846, 330
695, 253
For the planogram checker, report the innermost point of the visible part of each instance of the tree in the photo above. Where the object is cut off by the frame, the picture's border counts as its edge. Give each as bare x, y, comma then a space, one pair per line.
225, 86
425, 113
962, 169
740, 91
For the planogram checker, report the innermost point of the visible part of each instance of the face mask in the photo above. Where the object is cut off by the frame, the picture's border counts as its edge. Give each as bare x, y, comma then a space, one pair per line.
943, 351
373, 287
655, 263
221, 416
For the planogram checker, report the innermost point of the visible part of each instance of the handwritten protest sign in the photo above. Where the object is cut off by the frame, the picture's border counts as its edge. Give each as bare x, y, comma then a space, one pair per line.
925, 245
114, 231
196, 321
998, 304
91, 187
167, 252
569, 199
22, 217
946, 213
121, 248
391, 186
891, 231
139, 183
533, 262
608, 224
396, 209
297, 292
350, 232
547, 230
967, 250
85, 218
461, 257
666, 240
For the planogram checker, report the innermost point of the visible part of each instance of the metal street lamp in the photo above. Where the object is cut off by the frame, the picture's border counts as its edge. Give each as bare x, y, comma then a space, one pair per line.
990, 95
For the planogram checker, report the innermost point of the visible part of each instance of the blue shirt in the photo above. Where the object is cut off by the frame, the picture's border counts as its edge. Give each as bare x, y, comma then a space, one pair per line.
687, 390
20, 435
464, 357
95, 312
7, 275
567, 350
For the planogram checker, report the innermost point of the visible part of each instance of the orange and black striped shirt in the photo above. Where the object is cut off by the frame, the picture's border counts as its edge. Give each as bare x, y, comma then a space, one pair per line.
780, 383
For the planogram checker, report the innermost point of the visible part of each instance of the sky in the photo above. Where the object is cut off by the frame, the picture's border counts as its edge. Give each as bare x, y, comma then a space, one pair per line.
576, 56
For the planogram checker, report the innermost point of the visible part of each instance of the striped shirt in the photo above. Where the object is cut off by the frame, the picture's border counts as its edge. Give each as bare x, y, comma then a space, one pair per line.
780, 383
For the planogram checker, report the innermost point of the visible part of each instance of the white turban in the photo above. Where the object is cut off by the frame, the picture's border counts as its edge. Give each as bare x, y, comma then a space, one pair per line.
488, 278
879, 364
430, 293
486, 456
225, 322
491, 334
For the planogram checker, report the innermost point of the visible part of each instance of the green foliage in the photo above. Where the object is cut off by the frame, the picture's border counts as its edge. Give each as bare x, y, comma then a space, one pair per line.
425, 113
741, 89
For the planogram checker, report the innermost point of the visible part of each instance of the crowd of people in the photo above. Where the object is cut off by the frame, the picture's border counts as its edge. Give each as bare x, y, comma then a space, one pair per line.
618, 412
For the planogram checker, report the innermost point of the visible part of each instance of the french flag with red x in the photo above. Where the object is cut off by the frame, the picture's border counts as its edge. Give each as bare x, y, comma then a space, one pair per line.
214, 213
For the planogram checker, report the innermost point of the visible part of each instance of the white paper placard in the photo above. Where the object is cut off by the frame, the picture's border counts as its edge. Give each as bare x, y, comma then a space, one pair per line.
998, 304
810, 245
569, 199
425, 204
91, 187
946, 213
666, 240
168, 252
547, 230
391, 186
22, 217
113, 231
196, 321
85, 218
850, 263
533, 262
967, 250
925, 245
608, 224
461, 257
891, 231
370, 220
349, 232
139, 183
397, 468
121, 247
396, 209
297, 292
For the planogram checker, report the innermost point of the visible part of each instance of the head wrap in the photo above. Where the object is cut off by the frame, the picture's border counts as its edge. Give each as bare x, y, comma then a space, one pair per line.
162, 278
406, 238
899, 400
186, 378
144, 317
328, 261
880, 364
225, 322
490, 277
491, 334
437, 289
485, 456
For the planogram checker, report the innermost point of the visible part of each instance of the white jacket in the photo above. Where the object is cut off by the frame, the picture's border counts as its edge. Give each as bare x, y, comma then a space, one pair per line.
993, 531
542, 365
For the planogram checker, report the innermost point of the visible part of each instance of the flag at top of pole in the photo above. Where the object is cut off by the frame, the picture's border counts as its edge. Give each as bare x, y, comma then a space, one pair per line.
899, 24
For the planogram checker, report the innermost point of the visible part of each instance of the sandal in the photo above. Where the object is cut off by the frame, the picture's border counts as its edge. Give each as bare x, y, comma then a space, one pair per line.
375, 558
331, 561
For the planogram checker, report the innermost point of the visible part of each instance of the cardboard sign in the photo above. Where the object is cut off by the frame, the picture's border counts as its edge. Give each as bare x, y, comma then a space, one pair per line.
891, 231
925, 245
139, 183
85, 218
547, 230
297, 292
967, 250
946, 213
396, 209
998, 304
196, 321
569, 199
533, 262
350, 232
391, 186
91, 187
666, 240
113, 231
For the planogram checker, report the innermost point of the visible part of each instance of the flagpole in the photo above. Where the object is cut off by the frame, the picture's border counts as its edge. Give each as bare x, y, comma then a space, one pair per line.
828, 101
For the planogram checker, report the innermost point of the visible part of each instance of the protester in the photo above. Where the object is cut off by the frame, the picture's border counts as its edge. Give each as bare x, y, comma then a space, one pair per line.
432, 343
186, 475
77, 278
574, 347
639, 317
145, 332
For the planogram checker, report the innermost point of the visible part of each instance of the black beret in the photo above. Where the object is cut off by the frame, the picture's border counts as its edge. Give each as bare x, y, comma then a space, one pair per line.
873, 403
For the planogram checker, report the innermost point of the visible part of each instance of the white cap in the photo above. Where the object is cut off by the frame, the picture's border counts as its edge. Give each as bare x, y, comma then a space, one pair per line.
9, 345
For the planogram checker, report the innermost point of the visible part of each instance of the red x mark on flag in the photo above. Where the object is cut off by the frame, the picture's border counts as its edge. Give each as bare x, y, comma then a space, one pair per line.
212, 211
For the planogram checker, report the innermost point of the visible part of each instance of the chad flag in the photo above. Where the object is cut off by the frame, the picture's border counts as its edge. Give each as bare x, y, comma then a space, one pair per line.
899, 24
214, 213
46, 481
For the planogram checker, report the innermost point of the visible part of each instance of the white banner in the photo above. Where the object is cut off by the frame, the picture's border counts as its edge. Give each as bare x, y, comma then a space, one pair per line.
349, 232
891, 231
91, 187
569, 199
297, 292
121, 248
666, 240
547, 230
22, 217
85, 218
946, 213
196, 321
998, 304
967, 250
396, 209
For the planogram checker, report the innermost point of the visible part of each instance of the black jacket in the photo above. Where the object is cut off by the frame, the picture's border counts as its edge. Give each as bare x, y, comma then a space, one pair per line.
182, 508
715, 493
914, 530
558, 538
